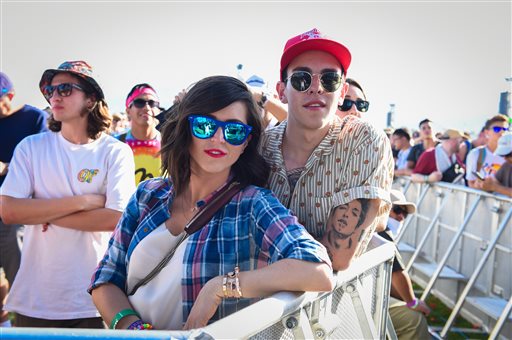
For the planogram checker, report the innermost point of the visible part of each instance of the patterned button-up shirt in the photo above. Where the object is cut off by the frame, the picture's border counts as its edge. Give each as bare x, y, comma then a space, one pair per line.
353, 161
252, 231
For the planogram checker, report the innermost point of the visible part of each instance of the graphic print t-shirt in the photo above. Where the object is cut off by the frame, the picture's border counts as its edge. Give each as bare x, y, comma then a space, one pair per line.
145, 154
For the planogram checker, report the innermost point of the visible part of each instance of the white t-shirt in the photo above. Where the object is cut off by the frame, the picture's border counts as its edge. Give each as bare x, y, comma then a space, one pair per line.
401, 161
159, 302
56, 265
490, 165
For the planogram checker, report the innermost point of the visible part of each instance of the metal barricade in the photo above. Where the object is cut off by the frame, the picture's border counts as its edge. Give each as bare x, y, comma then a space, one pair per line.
356, 308
460, 249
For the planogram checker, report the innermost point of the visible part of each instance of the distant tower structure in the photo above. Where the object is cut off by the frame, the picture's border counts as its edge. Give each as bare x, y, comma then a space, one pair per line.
391, 116
504, 106
239, 69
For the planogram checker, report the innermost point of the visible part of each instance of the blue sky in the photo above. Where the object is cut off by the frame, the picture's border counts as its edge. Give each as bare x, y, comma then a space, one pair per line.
443, 60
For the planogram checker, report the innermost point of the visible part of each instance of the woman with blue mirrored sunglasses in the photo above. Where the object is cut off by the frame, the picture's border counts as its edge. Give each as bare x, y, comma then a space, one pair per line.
204, 127
252, 247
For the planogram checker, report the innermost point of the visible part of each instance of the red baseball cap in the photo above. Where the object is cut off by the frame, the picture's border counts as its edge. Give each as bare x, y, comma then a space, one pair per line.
314, 40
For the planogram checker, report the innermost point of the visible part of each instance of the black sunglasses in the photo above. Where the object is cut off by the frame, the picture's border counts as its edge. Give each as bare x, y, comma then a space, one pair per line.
400, 211
141, 103
361, 105
64, 90
301, 80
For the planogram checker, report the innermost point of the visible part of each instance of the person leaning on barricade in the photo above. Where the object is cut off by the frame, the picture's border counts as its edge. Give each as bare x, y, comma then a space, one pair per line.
69, 187
406, 311
227, 241
318, 161
501, 182
482, 161
442, 162
426, 142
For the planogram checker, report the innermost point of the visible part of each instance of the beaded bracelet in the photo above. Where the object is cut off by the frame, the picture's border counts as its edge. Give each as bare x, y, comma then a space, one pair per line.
120, 315
140, 325
413, 303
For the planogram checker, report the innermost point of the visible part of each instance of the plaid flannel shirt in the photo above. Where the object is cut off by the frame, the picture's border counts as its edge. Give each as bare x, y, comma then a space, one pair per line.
252, 231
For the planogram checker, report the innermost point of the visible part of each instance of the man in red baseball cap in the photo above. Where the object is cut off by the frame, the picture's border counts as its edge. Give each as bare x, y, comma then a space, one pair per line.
320, 162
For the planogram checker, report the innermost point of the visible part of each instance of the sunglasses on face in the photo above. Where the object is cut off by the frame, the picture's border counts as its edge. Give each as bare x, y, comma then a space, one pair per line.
400, 211
204, 127
498, 129
361, 105
141, 103
302, 80
64, 90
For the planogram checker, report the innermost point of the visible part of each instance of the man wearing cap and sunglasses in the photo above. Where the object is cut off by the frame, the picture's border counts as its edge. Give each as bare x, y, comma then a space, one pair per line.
318, 161
142, 107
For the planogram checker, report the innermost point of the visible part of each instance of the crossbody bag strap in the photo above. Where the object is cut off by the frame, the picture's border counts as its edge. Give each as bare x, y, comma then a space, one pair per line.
200, 219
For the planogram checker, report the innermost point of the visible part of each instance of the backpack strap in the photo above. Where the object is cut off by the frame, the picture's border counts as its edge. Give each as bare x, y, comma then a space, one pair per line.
481, 158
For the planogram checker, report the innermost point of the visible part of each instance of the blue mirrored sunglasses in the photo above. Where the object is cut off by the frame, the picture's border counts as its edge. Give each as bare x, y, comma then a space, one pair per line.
204, 127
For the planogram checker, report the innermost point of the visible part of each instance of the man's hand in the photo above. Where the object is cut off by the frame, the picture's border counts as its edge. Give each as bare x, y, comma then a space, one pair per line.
422, 307
206, 304
93, 201
436, 176
488, 184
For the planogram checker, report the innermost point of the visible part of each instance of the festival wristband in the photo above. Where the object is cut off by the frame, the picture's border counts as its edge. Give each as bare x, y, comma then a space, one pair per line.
413, 303
120, 315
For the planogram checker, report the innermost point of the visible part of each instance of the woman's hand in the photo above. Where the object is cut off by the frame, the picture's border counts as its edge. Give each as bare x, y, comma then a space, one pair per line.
206, 304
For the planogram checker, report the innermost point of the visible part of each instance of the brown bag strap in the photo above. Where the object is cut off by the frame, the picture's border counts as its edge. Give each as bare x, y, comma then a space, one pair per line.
200, 219
221, 198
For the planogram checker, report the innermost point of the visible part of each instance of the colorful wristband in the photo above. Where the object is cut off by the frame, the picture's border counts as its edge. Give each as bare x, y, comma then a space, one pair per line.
413, 303
140, 325
120, 315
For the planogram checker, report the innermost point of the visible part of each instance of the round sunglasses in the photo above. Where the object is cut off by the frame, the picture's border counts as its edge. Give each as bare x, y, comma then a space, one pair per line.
141, 103
302, 80
204, 127
361, 105
64, 90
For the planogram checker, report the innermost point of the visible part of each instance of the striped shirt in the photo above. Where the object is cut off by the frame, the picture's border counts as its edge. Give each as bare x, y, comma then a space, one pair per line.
353, 161
252, 231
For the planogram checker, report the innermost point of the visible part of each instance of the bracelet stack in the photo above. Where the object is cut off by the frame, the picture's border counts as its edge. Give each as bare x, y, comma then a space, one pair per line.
413, 303
140, 325
122, 314
231, 284
137, 325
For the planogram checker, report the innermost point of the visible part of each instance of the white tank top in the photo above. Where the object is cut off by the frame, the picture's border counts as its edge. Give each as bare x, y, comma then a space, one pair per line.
159, 302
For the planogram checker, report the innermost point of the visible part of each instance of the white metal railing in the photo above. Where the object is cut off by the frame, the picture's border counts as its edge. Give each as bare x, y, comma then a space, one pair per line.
356, 308
460, 249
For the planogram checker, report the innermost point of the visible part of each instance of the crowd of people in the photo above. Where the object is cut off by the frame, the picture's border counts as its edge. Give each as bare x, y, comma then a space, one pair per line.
183, 216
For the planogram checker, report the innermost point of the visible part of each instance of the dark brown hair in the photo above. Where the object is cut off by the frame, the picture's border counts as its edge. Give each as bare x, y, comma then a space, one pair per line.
499, 118
98, 118
207, 96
